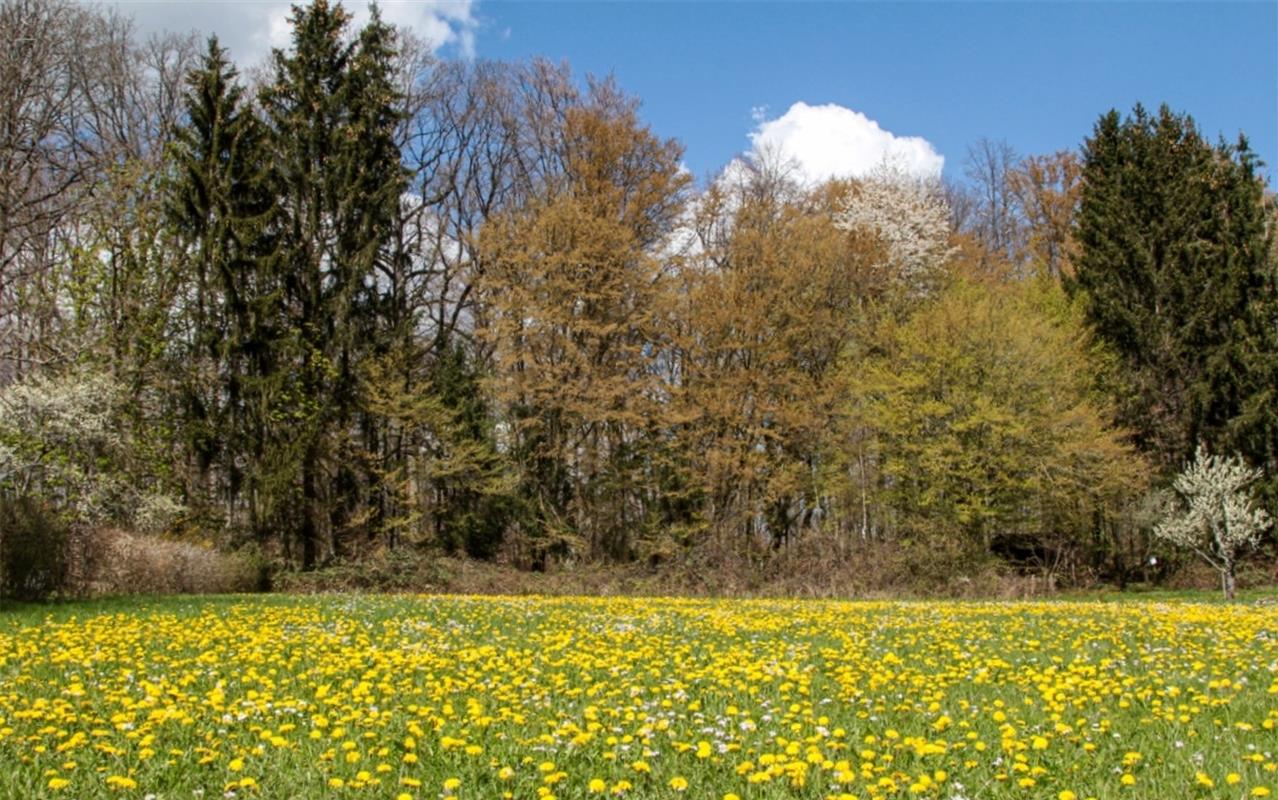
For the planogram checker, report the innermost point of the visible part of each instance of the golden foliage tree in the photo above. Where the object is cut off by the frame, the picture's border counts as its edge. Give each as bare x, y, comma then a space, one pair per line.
1047, 189
572, 278
764, 306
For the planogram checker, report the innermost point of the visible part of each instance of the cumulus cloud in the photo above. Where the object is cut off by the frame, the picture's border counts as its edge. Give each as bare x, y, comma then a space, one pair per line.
440, 22
830, 141
250, 29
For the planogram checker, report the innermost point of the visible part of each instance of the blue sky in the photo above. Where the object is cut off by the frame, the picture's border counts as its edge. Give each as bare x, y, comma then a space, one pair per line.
1037, 75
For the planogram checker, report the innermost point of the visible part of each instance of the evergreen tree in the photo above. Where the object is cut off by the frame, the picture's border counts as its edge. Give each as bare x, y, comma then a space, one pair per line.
472, 503
332, 110
440, 472
221, 205
1174, 261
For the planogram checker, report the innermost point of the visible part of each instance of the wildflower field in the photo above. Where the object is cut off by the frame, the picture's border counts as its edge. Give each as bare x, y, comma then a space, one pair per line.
465, 697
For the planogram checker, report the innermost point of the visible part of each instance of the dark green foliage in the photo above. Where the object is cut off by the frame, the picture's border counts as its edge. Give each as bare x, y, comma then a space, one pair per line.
1175, 263
33, 550
286, 221
471, 514
222, 206
332, 114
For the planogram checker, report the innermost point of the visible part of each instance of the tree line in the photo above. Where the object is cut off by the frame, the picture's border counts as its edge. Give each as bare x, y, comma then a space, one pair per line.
364, 299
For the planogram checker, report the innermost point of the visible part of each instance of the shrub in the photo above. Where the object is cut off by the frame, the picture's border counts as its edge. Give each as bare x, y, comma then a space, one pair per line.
109, 562
399, 570
64, 439
33, 550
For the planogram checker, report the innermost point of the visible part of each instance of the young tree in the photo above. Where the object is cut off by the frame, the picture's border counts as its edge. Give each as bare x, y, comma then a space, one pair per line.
63, 443
54, 431
447, 478
1216, 518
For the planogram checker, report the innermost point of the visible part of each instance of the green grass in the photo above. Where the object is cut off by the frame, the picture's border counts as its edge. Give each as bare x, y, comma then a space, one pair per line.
378, 696
1152, 594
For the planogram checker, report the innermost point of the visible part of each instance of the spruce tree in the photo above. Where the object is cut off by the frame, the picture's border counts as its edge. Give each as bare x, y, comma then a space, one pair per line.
1175, 265
332, 109
473, 502
1238, 398
221, 206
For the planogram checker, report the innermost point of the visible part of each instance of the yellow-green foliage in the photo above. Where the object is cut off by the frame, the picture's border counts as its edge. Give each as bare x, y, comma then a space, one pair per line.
462, 697
984, 413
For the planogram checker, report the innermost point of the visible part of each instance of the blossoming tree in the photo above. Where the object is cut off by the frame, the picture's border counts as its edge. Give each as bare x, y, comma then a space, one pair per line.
1215, 518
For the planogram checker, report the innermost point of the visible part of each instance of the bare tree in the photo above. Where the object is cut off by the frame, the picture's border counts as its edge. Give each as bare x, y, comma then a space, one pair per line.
78, 100
43, 153
962, 203
461, 147
995, 222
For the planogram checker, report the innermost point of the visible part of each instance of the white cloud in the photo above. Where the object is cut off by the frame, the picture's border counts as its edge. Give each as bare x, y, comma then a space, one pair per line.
250, 29
440, 22
830, 141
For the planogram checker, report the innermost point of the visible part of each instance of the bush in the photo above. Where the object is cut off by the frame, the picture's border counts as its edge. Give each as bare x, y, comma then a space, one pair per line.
65, 439
401, 570
110, 562
33, 550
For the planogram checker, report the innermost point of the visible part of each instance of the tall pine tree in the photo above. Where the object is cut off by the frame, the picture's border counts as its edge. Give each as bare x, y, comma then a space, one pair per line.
221, 205
332, 109
1175, 262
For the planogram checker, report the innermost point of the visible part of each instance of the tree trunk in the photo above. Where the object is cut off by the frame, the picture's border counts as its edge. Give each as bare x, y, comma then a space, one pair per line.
865, 502
1228, 583
310, 513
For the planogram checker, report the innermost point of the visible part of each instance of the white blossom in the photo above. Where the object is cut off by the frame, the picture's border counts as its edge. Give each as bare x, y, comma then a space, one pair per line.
60, 441
1216, 518
156, 513
74, 409
909, 216
52, 429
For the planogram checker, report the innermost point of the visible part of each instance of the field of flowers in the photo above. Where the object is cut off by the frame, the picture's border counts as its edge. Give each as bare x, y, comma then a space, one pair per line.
464, 697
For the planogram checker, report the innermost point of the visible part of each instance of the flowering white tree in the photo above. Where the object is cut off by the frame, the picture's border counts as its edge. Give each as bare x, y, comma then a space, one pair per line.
60, 442
1216, 518
909, 216
54, 431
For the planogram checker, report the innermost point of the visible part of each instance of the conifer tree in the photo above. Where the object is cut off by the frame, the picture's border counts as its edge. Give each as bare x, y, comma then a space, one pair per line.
332, 110
1174, 261
220, 204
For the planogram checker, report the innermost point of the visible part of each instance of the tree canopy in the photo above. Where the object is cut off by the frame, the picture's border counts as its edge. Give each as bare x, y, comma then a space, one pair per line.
372, 300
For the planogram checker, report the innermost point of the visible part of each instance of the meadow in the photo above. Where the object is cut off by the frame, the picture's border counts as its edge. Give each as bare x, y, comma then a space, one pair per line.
449, 697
